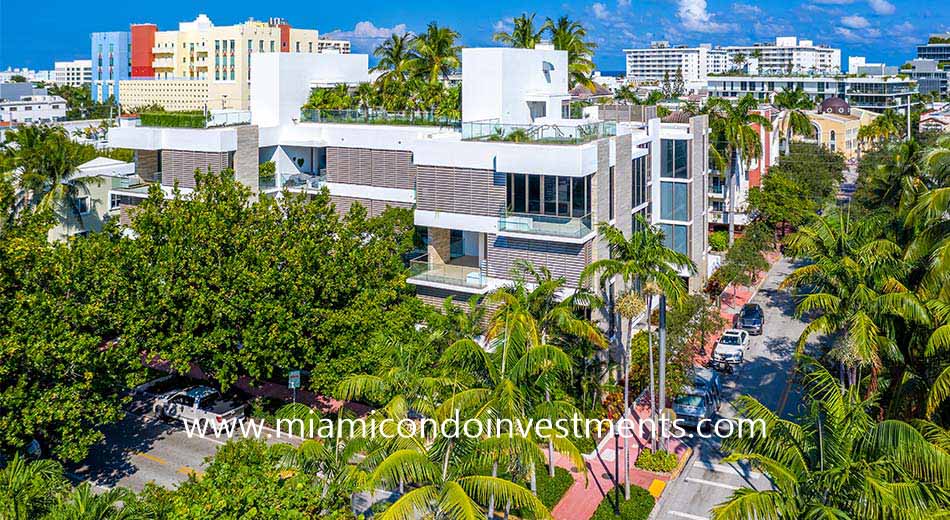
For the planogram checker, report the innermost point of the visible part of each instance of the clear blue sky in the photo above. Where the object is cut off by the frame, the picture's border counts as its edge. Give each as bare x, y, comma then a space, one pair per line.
35, 33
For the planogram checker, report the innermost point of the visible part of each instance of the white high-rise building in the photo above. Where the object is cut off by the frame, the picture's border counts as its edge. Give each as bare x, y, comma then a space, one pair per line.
788, 54
74, 73
660, 61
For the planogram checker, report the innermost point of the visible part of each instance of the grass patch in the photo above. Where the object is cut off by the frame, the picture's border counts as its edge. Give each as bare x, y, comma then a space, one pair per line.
637, 508
551, 489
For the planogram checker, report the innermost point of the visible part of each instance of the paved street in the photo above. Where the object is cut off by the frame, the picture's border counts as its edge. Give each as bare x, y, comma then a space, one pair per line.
706, 481
140, 449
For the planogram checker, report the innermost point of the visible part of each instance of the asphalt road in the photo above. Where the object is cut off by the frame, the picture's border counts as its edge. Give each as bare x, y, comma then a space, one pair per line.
765, 375
141, 449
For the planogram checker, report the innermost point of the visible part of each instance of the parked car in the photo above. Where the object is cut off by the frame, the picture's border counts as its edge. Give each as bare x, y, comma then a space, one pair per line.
701, 400
197, 403
751, 318
730, 349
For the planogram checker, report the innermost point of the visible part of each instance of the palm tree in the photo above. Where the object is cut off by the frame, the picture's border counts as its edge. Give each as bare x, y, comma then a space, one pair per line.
647, 267
555, 315
524, 34
27, 488
406, 386
836, 462
854, 281
739, 60
395, 58
571, 36
330, 460
794, 103
84, 504
436, 53
625, 93
735, 141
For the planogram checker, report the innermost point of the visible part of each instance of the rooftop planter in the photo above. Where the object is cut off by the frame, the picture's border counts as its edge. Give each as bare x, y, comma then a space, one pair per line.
174, 119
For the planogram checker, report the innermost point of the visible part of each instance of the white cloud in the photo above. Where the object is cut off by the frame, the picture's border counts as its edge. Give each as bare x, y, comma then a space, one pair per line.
695, 17
833, 2
366, 36
882, 6
855, 22
600, 11
746, 9
623, 3
905, 27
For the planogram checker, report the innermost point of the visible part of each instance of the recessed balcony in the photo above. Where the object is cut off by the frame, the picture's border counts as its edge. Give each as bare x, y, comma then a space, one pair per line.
463, 272
572, 229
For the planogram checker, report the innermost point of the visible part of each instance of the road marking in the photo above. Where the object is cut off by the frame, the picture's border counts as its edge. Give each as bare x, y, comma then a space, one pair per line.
727, 469
185, 470
152, 458
687, 515
711, 483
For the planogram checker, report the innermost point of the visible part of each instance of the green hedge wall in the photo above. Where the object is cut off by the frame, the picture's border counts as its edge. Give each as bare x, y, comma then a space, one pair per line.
637, 508
174, 119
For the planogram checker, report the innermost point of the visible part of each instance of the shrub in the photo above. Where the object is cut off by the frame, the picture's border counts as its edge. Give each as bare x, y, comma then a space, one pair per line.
174, 119
267, 170
585, 445
719, 240
551, 489
659, 461
637, 508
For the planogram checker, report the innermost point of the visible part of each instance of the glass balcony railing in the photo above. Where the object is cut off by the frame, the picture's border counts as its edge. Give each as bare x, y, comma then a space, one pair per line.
422, 268
716, 188
294, 180
196, 119
377, 117
492, 130
546, 225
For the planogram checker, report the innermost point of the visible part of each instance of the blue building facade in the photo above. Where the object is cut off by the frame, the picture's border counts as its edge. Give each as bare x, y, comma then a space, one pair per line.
111, 62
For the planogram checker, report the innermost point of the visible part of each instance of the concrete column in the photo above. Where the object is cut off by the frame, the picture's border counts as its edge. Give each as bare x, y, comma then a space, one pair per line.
439, 245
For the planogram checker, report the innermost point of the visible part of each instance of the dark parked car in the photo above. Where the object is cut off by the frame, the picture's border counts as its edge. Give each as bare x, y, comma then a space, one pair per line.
751, 318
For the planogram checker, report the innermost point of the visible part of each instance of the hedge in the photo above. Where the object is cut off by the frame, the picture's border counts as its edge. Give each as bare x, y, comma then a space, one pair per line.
659, 461
637, 508
174, 119
550, 490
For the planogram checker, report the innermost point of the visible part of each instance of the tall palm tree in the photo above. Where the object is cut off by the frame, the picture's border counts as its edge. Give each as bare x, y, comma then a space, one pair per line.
853, 280
642, 262
27, 488
794, 103
735, 141
524, 34
571, 36
555, 313
395, 58
836, 461
436, 53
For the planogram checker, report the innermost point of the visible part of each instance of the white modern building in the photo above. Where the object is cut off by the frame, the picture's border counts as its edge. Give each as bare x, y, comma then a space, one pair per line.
514, 179
660, 61
74, 73
875, 93
33, 109
789, 55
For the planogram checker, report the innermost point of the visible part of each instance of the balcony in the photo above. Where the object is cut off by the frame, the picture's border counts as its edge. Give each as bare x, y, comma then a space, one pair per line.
542, 133
376, 117
295, 181
461, 272
573, 228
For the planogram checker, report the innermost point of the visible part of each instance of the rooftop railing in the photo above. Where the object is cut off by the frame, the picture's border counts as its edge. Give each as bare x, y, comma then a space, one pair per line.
543, 133
377, 117
422, 268
545, 225
195, 119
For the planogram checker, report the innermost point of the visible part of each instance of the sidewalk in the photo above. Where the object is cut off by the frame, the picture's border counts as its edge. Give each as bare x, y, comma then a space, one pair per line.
583, 497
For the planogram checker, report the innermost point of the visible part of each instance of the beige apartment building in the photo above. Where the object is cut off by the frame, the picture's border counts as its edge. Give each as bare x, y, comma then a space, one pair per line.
202, 65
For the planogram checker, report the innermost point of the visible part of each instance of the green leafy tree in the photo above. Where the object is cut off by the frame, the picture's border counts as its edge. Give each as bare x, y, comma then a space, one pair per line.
837, 461
569, 35
28, 489
524, 34
395, 58
436, 53
794, 103
780, 202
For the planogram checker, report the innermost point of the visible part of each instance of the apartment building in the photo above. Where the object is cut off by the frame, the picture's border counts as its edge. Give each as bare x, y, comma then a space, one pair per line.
33, 109
937, 48
661, 60
836, 126
930, 77
75, 73
514, 179
875, 93
111, 54
202, 65
789, 55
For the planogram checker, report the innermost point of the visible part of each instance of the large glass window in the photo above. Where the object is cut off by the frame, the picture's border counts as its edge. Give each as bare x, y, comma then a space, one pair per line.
674, 157
675, 238
549, 195
639, 181
674, 201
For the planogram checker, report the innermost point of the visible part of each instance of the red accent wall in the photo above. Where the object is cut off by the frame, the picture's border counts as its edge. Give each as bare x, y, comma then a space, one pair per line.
284, 37
143, 39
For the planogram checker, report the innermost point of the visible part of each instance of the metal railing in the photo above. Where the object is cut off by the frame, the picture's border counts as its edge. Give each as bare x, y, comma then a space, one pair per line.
376, 117
547, 225
549, 133
421, 268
